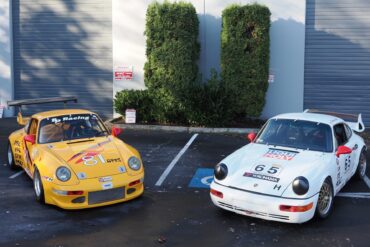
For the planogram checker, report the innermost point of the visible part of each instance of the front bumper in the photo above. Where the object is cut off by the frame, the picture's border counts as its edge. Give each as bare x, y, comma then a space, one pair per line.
262, 206
94, 192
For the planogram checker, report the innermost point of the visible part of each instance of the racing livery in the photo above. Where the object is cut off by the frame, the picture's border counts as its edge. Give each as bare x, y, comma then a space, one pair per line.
292, 169
73, 160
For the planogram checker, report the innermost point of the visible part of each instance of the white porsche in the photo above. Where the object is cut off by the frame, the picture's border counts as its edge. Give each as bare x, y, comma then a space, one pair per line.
292, 169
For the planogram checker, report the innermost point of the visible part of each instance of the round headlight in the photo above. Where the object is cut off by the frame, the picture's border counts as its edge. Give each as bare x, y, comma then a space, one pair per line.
220, 171
63, 174
300, 185
134, 163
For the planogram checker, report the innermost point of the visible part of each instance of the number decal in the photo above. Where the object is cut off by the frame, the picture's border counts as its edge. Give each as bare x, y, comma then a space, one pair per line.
102, 160
259, 168
89, 160
273, 170
266, 169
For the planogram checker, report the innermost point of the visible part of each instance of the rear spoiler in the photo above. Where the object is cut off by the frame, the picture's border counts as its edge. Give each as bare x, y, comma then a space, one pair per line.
19, 103
354, 121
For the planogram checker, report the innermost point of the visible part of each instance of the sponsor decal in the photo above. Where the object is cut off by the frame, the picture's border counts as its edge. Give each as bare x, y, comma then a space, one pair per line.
121, 169
280, 154
81, 175
90, 152
261, 176
107, 186
69, 118
114, 160
47, 178
105, 179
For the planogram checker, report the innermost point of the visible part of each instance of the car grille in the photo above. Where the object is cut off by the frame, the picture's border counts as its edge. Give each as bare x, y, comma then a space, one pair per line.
251, 213
102, 196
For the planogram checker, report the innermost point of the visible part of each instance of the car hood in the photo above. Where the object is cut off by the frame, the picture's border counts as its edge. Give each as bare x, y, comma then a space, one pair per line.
90, 158
249, 168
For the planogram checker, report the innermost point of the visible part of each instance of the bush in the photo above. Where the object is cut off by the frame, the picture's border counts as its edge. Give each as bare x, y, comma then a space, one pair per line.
139, 100
245, 45
172, 51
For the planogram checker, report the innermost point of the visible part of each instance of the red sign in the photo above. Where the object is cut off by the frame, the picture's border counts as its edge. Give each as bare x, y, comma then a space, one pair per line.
123, 73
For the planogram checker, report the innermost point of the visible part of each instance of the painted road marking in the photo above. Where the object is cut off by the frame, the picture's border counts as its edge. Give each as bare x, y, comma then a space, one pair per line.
367, 181
365, 195
16, 174
174, 161
202, 178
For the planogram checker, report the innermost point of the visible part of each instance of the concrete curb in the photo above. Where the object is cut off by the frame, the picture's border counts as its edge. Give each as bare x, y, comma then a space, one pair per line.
184, 129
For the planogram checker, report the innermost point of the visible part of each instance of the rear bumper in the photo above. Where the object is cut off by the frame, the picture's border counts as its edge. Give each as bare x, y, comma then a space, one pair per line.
94, 193
262, 206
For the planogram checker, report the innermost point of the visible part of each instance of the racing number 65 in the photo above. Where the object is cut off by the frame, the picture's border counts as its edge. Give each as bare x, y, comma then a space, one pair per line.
271, 170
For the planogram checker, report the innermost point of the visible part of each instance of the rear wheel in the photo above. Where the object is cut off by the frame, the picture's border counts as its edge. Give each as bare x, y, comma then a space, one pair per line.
38, 188
325, 201
11, 162
361, 167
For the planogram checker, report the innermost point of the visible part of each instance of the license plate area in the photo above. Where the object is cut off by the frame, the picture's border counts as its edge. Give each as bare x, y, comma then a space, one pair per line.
102, 196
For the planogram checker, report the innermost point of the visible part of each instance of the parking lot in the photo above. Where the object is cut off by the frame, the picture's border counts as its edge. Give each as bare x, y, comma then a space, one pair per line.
175, 210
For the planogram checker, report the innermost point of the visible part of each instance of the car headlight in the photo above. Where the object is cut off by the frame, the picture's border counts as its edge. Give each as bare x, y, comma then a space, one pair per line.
220, 171
134, 163
63, 174
300, 185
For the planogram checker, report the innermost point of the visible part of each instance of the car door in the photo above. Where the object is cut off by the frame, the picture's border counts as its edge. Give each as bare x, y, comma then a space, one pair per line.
343, 161
29, 147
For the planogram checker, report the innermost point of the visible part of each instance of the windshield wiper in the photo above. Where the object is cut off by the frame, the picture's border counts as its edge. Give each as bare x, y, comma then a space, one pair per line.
85, 140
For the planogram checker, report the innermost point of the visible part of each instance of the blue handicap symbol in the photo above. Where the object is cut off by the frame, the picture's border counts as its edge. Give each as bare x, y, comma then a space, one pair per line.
202, 178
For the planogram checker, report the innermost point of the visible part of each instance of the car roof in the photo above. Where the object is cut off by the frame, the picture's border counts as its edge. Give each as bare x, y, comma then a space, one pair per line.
61, 112
313, 117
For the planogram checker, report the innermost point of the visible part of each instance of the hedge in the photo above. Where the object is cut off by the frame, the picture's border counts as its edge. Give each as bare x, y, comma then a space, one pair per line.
245, 43
172, 51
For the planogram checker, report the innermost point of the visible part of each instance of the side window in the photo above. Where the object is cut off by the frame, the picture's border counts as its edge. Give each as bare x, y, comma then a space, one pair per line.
33, 127
348, 131
340, 134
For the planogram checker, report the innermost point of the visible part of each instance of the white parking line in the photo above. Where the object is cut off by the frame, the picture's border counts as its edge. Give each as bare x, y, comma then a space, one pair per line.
16, 174
174, 161
365, 195
367, 181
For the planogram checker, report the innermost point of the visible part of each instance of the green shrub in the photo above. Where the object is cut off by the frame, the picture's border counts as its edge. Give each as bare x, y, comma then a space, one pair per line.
245, 45
140, 100
172, 51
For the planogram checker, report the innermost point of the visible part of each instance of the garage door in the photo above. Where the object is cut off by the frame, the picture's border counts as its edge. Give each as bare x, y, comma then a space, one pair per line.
337, 56
63, 48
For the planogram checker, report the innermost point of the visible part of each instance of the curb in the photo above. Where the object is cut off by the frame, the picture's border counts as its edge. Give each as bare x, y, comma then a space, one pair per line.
184, 129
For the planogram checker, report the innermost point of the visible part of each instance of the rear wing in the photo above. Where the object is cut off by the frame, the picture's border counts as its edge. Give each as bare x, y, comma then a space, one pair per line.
354, 121
19, 103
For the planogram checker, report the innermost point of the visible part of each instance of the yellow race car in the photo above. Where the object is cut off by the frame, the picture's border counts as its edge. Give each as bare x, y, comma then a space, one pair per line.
73, 160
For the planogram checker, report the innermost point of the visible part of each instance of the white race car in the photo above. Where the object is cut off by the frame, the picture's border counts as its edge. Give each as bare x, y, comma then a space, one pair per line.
293, 168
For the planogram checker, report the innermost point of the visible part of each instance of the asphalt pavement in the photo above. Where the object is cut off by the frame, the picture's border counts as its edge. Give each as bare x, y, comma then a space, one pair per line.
178, 212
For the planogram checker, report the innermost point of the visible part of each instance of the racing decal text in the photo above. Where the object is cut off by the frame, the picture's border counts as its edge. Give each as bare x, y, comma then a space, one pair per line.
260, 176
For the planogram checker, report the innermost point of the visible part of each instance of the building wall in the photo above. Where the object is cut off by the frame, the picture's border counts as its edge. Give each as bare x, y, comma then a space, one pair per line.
338, 56
287, 32
6, 84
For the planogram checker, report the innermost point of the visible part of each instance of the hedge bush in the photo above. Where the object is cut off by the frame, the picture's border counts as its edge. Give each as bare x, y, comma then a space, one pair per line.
172, 51
245, 43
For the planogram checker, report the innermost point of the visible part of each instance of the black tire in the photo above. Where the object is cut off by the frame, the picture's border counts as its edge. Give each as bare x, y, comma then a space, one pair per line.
10, 155
361, 167
38, 187
326, 199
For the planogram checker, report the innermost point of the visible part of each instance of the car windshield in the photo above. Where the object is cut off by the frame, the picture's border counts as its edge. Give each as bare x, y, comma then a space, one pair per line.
297, 134
70, 127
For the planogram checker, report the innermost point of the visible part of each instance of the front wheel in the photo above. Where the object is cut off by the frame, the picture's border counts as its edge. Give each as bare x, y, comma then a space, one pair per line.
38, 188
361, 167
325, 201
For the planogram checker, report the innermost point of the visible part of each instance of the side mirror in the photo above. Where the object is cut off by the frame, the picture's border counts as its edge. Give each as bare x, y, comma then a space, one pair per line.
30, 138
116, 131
343, 150
251, 136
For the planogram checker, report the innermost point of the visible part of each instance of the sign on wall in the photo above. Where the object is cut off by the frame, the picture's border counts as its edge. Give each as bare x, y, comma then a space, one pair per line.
130, 116
123, 73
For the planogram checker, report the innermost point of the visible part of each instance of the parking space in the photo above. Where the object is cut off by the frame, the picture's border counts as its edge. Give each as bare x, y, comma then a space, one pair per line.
178, 212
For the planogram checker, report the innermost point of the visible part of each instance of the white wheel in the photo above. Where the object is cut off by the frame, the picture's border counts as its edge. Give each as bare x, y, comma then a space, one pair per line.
37, 187
11, 162
362, 164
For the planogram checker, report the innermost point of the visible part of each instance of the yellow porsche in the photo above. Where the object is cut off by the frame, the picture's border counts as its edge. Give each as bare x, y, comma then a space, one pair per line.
73, 160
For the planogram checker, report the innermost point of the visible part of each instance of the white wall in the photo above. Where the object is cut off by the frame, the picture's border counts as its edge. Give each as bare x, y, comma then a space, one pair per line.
287, 33
6, 85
